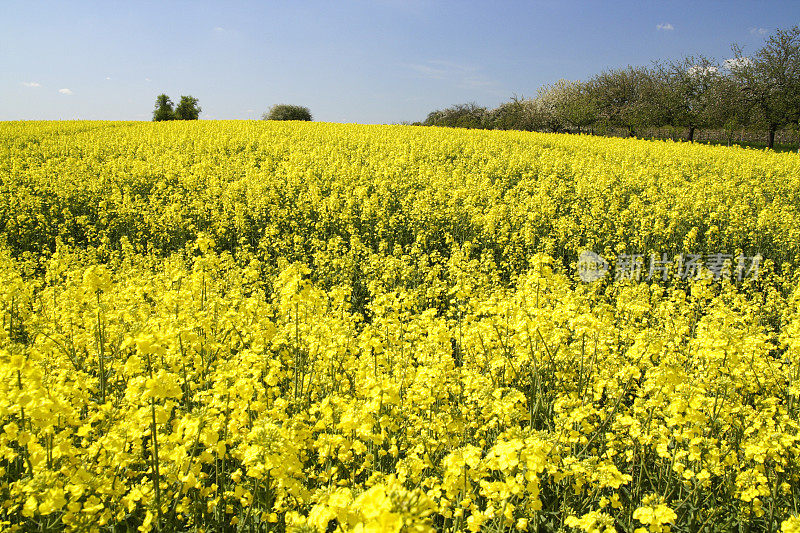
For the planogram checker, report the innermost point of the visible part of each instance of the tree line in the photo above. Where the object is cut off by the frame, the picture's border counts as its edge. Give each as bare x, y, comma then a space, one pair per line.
756, 92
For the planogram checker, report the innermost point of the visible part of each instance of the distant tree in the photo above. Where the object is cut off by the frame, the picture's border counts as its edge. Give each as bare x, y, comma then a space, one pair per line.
621, 97
566, 106
550, 101
287, 112
163, 110
684, 93
579, 110
729, 110
433, 118
187, 109
770, 80
519, 113
468, 115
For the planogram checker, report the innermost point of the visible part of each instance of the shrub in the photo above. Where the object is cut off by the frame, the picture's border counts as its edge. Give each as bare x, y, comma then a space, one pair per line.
287, 112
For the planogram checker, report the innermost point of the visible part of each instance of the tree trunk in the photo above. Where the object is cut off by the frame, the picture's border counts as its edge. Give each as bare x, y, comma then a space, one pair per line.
691, 134
771, 137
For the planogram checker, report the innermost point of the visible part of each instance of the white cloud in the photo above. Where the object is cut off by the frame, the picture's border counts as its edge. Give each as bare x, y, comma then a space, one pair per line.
147, 79
758, 31
68, 92
31, 84
219, 29
665, 27
251, 110
108, 77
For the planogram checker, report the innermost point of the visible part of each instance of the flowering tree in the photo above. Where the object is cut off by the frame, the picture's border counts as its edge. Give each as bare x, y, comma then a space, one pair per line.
770, 79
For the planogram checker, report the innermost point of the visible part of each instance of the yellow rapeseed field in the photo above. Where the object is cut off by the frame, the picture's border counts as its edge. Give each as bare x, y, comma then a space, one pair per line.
264, 326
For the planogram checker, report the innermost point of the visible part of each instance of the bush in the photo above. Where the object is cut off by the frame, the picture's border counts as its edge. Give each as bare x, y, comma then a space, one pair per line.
287, 112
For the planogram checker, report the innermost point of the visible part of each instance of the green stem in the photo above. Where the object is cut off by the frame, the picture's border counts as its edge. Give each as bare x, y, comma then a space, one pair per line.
153, 433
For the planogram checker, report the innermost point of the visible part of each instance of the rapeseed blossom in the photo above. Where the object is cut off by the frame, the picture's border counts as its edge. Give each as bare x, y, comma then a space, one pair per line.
317, 327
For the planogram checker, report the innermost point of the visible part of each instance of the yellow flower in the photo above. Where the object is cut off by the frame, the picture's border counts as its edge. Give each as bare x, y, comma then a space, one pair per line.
654, 514
791, 525
592, 522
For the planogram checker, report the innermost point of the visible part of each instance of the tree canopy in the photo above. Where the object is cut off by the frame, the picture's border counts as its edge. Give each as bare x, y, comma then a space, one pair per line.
287, 112
187, 109
164, 109
770, 79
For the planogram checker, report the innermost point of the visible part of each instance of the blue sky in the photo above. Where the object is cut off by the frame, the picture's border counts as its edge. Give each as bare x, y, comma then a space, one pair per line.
367, 62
